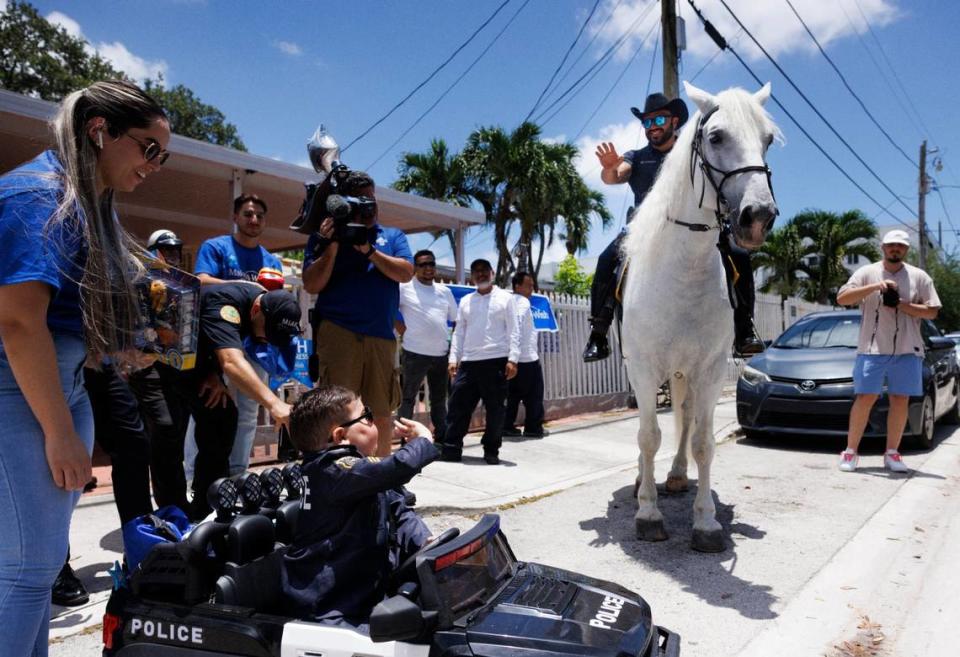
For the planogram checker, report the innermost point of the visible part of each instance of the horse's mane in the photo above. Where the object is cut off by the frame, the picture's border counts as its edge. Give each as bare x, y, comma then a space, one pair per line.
672, 187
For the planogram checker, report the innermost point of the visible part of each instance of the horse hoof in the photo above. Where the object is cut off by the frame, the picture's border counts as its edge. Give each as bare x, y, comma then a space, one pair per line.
677, 484
651, 530
704, 541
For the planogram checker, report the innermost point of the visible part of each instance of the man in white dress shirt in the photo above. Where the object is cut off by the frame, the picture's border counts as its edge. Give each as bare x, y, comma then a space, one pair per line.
483, 356
426, 307
527, 386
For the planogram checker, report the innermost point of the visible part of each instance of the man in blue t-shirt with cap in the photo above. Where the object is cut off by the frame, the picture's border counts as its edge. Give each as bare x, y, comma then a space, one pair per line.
358, 295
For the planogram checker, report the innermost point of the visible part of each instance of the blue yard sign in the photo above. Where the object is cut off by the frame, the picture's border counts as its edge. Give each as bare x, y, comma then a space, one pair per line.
543, 317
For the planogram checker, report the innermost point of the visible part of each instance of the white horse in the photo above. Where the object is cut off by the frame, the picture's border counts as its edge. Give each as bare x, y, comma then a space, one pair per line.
677, 319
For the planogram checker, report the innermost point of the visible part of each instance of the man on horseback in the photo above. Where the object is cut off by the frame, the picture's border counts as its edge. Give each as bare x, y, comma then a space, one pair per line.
661, 119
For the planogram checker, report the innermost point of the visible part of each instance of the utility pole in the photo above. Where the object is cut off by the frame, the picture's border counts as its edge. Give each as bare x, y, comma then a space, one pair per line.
922, 206
668, 31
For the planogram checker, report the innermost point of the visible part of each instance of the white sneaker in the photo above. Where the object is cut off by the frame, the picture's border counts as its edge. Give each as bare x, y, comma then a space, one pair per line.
893, 462
848, 460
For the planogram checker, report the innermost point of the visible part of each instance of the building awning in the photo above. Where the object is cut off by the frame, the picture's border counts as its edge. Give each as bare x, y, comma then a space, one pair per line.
193, 196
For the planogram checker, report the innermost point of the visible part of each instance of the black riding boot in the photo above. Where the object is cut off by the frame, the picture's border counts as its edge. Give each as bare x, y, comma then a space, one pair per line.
598, 347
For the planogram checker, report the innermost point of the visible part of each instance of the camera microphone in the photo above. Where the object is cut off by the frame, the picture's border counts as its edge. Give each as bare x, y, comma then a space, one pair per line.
338, 207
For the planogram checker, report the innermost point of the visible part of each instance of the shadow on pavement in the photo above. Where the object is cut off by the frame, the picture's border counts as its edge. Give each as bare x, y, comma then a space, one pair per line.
835, 444
112, 541
708, 576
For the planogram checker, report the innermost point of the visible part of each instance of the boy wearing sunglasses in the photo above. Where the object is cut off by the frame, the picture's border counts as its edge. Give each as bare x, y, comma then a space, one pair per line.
354, 528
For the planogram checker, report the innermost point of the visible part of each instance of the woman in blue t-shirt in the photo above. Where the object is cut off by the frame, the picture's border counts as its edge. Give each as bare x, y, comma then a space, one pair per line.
65, 295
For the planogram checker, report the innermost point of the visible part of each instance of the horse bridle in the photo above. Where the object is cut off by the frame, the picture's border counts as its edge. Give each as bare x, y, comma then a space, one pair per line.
706, 167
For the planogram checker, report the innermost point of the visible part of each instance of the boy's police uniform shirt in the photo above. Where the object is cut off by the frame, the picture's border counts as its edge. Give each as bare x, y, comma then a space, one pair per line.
353, 530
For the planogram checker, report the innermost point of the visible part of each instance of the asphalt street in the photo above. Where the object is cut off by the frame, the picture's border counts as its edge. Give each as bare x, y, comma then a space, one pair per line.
817, 560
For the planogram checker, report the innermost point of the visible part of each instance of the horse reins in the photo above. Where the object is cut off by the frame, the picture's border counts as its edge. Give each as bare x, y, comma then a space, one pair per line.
706, 167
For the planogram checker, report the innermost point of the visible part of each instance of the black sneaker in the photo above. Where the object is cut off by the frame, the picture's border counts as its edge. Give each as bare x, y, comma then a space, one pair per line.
598, 348
511, 432
541, 434
68, 590
491, 458
451, 456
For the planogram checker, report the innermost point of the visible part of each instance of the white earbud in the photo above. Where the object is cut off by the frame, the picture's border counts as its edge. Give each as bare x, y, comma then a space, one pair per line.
100, 139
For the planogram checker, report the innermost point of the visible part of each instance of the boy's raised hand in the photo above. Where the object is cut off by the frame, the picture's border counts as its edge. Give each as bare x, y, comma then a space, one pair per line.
408, 429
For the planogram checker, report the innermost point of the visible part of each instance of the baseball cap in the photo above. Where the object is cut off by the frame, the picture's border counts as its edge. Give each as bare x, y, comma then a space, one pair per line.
282, 314
897, 237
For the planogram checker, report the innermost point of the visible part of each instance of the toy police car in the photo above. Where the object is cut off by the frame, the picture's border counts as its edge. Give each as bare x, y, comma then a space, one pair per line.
217, 592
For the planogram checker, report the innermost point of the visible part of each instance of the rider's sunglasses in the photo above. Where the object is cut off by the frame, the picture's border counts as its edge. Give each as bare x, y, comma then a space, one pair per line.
151, 150
658, 121
366, 417
427, 263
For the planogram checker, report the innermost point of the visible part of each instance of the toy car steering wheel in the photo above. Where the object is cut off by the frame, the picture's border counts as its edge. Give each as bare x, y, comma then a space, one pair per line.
410, 562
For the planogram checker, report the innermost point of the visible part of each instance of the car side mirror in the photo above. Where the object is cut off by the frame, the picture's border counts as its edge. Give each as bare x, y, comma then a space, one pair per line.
396, 619
940, 343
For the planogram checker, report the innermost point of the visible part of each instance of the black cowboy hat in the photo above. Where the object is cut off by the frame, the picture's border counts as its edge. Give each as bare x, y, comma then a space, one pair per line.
656, 102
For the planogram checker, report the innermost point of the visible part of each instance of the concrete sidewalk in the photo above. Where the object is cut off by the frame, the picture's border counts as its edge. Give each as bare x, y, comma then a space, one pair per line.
589, 448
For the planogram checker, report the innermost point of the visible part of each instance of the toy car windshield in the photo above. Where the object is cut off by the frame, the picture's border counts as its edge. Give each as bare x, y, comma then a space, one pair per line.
466, 573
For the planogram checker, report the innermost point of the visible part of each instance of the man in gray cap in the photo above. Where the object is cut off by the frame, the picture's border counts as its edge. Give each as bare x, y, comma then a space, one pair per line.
661, 119
893, 297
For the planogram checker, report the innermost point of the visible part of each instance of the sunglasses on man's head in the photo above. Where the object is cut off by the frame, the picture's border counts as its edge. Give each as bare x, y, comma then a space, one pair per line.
658, 121
151, 150
367, 416
427, 263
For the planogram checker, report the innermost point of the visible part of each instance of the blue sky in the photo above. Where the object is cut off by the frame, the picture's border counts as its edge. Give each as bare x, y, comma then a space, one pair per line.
278, 69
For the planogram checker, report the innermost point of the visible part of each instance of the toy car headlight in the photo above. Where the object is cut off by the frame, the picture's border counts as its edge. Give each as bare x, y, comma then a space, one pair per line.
293, 480
222, 496
250, 490
753, 376
271, 483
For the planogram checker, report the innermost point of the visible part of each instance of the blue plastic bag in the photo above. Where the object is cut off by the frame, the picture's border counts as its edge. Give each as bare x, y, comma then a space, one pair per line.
168, 524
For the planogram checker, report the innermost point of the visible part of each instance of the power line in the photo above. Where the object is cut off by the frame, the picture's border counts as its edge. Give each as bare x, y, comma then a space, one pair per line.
429, 77
814, 108
586, 48
849, 88
562, 61
896, 77
615, 83
597, 66
735, 39
450, 88
723, 45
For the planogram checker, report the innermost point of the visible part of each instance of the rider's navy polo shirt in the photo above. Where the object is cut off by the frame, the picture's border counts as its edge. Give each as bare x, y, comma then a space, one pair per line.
644, 165
358, 296
30, 251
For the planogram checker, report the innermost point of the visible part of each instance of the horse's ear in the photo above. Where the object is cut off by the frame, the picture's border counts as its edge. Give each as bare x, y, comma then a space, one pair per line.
763, 94
703, 100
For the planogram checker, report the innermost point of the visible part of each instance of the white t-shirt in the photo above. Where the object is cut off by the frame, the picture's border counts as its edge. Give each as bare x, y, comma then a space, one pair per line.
886, 330
486, 328
425, 310
528, 336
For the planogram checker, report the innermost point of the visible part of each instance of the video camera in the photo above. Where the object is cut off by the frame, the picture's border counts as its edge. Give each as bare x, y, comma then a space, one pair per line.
891, 297
324, 200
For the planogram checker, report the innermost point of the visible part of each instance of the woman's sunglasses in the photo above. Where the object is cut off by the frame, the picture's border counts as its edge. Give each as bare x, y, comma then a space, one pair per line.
367, 416
151, 150
658, 121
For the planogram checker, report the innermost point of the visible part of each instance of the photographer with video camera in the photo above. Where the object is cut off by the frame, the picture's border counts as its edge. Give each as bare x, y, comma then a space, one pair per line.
355, 267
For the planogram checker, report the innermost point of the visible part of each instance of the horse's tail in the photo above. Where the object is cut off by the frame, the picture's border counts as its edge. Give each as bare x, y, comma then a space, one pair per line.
678, 394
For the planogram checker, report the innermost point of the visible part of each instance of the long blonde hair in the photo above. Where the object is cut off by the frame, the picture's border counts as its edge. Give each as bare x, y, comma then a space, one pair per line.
108, 298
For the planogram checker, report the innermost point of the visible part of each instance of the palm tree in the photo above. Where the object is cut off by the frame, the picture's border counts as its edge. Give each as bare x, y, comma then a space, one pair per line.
526, 183
435, 174
781, 255
833, 237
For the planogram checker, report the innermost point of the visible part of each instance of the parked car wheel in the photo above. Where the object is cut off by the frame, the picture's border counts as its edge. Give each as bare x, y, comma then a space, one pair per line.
924, 439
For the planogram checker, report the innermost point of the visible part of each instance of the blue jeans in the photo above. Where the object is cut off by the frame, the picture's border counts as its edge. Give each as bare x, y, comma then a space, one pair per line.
36, 514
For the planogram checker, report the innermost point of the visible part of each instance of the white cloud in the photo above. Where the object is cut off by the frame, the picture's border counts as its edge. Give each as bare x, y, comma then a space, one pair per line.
624, 136
288, 47
116, 53
772, 23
